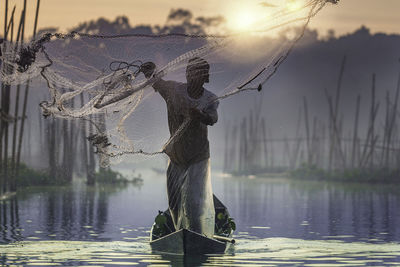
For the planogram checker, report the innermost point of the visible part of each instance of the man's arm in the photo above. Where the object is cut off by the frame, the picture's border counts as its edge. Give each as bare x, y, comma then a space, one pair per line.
164, 88
160, 86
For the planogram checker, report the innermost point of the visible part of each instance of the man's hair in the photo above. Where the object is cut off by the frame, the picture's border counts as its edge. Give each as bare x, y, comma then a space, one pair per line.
197, 63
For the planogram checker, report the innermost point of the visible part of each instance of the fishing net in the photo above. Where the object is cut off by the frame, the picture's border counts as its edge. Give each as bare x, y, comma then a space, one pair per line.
90, 75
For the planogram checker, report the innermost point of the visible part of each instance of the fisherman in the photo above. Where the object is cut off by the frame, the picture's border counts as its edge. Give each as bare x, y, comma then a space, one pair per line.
189, 190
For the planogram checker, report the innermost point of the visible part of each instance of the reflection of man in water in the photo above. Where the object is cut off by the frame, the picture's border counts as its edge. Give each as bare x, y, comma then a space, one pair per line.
190, 196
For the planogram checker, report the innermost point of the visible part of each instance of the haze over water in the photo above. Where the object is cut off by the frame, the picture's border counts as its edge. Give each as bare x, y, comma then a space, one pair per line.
279, 223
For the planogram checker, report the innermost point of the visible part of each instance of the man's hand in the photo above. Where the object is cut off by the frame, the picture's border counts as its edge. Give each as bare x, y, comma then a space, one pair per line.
148, 69
197, 114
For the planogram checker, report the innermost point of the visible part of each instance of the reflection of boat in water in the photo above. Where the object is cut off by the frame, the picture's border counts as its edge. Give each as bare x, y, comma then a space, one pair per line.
164, 238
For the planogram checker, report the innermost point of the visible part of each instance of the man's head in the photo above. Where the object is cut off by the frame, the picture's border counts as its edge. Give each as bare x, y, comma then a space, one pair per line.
197, 71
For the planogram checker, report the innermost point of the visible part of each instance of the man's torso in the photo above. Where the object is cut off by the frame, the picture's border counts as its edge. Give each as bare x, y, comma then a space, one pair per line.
190, 144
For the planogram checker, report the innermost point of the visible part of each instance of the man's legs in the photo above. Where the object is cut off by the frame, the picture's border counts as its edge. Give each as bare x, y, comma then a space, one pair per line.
175, 180
190, 197
197, 210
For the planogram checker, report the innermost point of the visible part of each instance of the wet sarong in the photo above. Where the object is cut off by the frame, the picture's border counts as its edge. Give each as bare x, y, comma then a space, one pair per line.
190, 197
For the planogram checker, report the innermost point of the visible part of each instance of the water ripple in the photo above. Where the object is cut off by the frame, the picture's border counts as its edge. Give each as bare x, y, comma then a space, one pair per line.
247, 252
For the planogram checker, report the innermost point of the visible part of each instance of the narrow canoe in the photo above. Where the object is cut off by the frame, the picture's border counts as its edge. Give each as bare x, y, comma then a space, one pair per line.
186, 242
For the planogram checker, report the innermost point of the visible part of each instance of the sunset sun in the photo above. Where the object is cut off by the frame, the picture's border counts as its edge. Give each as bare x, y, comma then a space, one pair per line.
244, 18
293, 5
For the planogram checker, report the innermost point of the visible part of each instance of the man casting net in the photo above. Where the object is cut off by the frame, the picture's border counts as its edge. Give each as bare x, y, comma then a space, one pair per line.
88, 73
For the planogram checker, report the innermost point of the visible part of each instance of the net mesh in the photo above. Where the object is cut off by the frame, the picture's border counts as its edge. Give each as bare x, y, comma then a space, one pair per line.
91, 75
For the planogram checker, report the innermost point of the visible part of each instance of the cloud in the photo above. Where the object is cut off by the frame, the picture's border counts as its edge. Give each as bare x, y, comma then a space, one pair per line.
211, 21
266, 4
180, 14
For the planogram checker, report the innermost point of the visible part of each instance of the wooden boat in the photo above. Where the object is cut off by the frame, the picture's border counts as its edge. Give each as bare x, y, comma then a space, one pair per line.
186, 242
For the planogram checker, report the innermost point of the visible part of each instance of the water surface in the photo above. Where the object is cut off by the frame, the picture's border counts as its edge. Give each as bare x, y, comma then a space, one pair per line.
280, 223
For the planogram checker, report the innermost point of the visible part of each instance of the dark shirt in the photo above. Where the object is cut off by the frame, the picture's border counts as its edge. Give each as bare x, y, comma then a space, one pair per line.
189, 144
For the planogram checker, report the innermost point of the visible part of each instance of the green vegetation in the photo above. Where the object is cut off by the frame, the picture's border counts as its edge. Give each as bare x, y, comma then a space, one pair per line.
311, 172
109, 176
162, 225
28, 176
224, 225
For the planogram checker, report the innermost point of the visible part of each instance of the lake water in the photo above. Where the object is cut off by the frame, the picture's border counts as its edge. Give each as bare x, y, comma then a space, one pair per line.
279, 223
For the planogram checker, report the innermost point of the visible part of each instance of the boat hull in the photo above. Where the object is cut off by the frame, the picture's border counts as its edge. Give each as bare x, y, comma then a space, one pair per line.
187, 242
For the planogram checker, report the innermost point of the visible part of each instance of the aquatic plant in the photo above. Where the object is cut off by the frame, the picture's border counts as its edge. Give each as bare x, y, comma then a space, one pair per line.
28, 176
224, 225
109, 176
312, 172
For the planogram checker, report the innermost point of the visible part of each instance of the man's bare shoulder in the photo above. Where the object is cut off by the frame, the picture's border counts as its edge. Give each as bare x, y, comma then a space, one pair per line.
166, 88
168, 84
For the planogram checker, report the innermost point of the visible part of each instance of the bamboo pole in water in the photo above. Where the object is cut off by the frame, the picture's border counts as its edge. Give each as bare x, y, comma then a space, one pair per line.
307, 127
75, 131
19, 40
40, 125
84, 148
297, 143
313, 144
271, 153
245, 146
384, 146
355, 132
393, 116
335, 137
241, 144
341, 144
102, 130
339, 86
250, 142
333, 134
2, 166
330, 133
321, 144
233, 152
372, 122
51, 130
66, 148
265, 144
371, 139
226, 148
5, 109
92, 163
26, 93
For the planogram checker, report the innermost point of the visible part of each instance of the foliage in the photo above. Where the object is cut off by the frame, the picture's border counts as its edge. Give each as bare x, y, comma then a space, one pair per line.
224, 225
109, 176
30, 177
162, 225
379, 175
309, 172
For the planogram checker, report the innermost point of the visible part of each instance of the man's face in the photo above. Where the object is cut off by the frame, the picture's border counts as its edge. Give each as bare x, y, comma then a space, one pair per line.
198, 75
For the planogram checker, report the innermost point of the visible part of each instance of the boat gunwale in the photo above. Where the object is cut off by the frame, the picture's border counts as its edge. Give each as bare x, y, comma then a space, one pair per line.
184, 233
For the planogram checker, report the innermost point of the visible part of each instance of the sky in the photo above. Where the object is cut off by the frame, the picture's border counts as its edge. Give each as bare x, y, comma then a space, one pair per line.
378, 15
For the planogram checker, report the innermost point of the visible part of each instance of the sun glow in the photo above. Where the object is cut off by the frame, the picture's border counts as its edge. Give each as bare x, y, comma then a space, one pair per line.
293, 5
244, 17
244, 20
